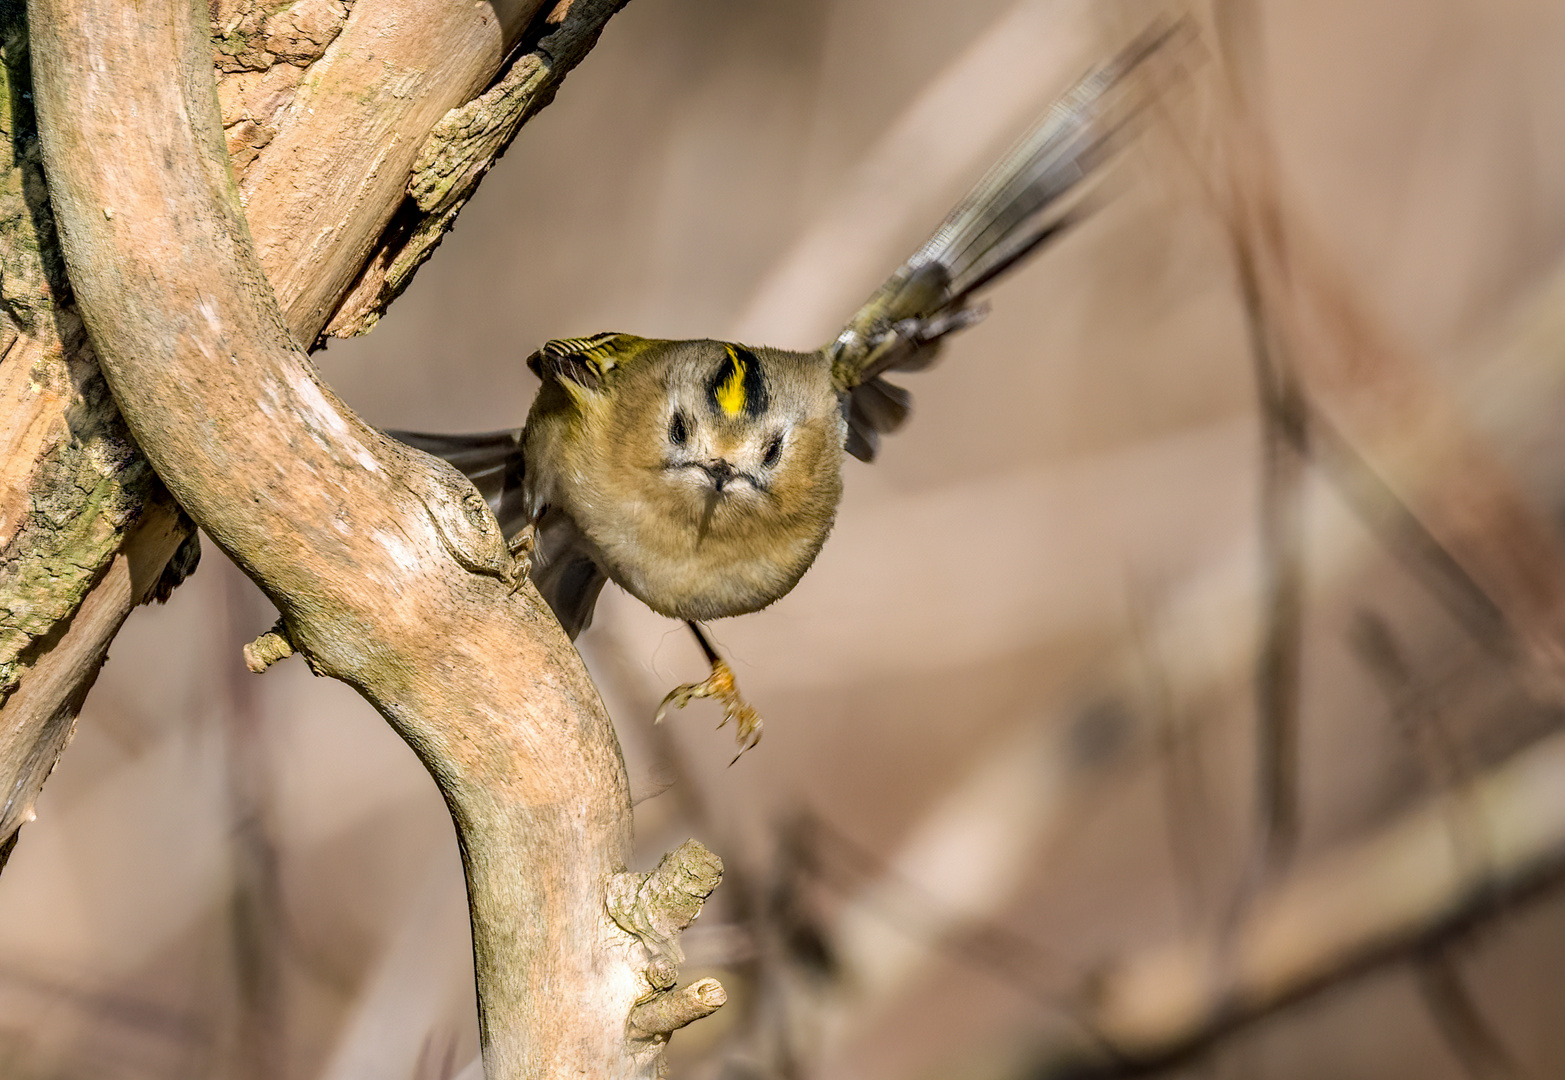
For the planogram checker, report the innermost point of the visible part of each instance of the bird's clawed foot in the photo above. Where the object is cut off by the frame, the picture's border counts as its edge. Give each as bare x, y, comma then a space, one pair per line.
721, 686
521, 547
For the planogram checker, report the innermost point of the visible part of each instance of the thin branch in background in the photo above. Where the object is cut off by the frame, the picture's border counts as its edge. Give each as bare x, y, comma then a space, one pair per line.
1408, 434
1413, 707
1284, 452
1462, 1025
1379, 506
1352, 911
1278, 658
1018, 961
1188, 813
1416, 714
437, 1058
789, 905
1395, 525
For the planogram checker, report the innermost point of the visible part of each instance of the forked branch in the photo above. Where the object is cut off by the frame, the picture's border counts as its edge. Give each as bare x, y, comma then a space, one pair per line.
388, 570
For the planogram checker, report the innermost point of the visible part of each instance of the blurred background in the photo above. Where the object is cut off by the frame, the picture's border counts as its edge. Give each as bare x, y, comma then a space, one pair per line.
1097, 661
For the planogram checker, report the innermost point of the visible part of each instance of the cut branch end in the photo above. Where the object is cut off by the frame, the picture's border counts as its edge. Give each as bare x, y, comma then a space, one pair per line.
669, 1012
270, 647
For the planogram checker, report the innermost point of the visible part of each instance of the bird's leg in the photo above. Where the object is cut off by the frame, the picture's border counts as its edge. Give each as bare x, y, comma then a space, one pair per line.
521, 547
720, 685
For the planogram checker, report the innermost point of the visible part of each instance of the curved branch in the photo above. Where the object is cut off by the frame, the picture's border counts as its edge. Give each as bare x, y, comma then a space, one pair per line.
321, 141
388, 570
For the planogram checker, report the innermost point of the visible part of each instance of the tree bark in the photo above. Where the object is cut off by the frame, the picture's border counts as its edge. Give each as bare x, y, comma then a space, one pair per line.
317, 156
388, 569
86, 529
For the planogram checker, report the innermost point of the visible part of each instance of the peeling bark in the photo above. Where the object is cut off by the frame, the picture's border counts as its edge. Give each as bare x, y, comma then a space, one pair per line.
298, 95
86, 529
387, 567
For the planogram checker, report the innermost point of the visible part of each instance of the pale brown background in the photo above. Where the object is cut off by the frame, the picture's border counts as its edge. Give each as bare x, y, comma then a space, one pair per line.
233, 876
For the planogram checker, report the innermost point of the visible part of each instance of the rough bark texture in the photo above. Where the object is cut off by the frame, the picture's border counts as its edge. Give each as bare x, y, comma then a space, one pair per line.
86, 529
388, 570
461, 149
323, 162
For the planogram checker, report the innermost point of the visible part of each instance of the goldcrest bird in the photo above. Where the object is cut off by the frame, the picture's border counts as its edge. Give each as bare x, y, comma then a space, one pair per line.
703, 477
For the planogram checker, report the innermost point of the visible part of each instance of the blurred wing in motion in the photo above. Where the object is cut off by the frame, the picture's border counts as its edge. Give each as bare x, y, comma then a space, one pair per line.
1019, 205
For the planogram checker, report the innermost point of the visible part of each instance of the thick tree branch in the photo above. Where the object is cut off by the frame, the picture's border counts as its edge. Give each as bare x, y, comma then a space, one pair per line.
86, 529
388, 570
75, 493
355, 127
460, 150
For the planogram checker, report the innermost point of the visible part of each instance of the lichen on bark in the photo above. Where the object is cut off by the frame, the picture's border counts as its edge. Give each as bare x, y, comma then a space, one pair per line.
72, 482
261, 52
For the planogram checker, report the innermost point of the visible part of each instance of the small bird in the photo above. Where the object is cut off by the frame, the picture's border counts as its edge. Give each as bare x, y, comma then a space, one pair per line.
703, 476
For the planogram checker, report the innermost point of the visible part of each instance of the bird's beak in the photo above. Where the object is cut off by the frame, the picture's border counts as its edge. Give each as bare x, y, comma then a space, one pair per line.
721, 472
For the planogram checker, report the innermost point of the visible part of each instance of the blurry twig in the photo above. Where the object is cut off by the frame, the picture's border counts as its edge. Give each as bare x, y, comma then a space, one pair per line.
1254, 225
1417, 717
1366, 905
1016, 959
256, 912
1284, 450
1188, 813
1396, 435
1461, 1024
1408, 539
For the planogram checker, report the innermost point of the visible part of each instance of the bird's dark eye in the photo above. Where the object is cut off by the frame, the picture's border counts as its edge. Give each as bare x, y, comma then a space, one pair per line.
773, 451
677, 430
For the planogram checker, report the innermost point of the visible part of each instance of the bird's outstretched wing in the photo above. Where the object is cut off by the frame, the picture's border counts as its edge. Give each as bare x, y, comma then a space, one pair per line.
1023, 201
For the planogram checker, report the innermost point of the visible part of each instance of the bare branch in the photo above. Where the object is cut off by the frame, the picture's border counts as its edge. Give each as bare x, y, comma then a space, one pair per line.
1253, 226
1411, 884
668, 1013
354, 127
460, 150
270, 647
322, 161
388, 570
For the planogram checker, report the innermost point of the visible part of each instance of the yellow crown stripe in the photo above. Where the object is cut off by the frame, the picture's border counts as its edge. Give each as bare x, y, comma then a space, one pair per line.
731, 394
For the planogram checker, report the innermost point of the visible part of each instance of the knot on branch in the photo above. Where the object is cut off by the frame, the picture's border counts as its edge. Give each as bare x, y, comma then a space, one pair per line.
654, 908
462, 519
270, 647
